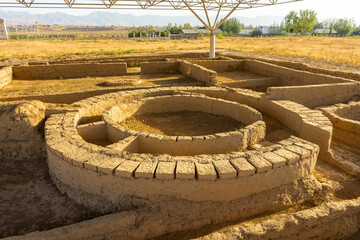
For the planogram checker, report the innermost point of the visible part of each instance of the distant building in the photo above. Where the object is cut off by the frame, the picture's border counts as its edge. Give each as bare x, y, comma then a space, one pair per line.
189, 33
206, 32
3, 31
245, 32
270, 30
322, 32
175, 36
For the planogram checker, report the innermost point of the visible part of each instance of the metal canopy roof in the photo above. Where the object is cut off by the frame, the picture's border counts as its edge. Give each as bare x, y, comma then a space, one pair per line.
197, 7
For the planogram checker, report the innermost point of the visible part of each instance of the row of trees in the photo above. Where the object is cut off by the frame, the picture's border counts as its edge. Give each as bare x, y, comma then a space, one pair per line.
301, 23
304, 21
151, 31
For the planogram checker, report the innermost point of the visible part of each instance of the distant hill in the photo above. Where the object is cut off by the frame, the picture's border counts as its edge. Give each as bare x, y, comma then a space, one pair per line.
101, 18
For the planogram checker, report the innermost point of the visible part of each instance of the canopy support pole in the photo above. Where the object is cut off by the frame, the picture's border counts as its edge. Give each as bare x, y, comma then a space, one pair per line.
212, 44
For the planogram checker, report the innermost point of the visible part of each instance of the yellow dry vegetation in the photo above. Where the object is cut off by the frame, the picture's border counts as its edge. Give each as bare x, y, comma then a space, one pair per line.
340, 50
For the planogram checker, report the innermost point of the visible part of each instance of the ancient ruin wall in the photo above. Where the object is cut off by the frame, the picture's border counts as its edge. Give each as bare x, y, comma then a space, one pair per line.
6, 75
220, 65
159, 67
302, 67
56, 71
289, 76
194, 71
107, 174
309, 124
217, 143
315, 95
346, 121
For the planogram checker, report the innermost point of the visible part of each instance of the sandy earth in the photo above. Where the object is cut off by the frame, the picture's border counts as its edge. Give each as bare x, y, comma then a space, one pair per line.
342, 186
29, 201
185, 123
23, 88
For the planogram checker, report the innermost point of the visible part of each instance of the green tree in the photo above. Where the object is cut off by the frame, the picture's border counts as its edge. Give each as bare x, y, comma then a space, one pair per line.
291, 22
256, 33
307, 20
231, 27
302, 22
344, 27
356, 31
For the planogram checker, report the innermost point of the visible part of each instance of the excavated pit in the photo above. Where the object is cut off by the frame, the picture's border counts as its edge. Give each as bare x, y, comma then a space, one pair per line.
173, 146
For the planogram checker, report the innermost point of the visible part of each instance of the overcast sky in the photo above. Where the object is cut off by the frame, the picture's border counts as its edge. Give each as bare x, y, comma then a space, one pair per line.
325, 8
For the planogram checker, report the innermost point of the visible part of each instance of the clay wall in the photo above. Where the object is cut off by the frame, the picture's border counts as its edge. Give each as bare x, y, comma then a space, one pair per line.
309, 124
344, 119
5, 76
304, 67
220, 65
187, 145
290, 77
198, 73
78, 165
159, 67
56, 71
95, 131
191, 178
315, 95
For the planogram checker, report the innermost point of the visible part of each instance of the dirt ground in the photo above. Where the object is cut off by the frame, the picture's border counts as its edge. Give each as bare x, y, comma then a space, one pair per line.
33, 88
185, 123
341, 186
237, 76
29, 201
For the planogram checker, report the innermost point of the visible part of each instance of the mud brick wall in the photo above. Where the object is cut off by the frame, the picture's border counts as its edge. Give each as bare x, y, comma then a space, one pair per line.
159, 67
198, 73
56, 71
237, 140
345, 119
220, 65
290, 76
304, 67
315, 95
5, 76
309, 124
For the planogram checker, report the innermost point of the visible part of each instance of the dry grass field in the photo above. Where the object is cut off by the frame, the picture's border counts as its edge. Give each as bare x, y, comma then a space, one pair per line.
338, 50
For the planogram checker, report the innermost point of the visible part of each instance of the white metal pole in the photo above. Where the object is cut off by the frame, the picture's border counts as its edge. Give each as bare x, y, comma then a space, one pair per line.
212, 44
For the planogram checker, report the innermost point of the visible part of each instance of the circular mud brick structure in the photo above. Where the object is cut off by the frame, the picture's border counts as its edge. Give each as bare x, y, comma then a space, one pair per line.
119, 174
186, 145
346, 122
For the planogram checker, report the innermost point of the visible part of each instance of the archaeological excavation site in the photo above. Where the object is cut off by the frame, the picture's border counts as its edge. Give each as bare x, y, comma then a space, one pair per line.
177, 145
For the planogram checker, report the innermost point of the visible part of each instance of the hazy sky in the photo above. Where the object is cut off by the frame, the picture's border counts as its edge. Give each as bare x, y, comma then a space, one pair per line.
325, 9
